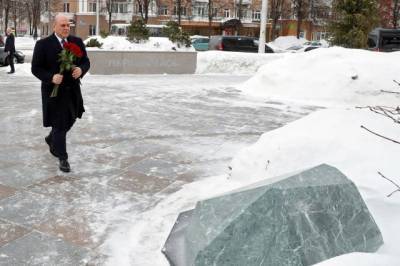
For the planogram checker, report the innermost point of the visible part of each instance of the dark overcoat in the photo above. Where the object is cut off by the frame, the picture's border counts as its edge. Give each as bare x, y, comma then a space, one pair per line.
10, 44
61, 111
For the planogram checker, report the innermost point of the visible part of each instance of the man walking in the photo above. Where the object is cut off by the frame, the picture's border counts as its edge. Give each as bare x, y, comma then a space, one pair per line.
61, 111
9, 48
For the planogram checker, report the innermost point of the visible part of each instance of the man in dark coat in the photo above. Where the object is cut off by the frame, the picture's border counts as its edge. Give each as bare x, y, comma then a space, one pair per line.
59, 112
10, 49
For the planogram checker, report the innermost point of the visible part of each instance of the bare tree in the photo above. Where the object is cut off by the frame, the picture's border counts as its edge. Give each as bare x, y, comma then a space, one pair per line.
396, 11
143, 6
300, 8
110, 10
7, 7
277, 10
36, 9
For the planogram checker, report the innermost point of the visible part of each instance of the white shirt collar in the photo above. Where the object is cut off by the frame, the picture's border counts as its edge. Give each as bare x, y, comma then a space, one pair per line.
60, 39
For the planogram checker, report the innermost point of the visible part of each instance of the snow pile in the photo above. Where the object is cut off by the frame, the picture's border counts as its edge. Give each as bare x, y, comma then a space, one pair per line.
285, 42
328, 77
232, 62
153, 44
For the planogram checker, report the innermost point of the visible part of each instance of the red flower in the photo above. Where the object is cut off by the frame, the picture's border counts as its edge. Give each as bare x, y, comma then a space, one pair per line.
74, 49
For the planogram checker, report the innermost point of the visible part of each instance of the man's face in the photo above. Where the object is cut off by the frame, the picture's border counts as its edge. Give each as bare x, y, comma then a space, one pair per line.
61, 27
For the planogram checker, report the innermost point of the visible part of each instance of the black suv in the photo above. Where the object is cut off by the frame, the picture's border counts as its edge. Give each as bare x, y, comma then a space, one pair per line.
384, 40
236, 44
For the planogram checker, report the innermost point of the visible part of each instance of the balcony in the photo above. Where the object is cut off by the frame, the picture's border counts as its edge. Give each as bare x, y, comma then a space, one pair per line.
243, 2
122, 16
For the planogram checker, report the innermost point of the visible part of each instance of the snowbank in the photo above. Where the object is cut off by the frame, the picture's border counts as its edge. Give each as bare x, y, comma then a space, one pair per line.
232, 62
153, 44
329, 77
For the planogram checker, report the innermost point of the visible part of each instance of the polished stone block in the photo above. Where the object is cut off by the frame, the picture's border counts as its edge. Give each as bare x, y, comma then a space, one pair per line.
302, 219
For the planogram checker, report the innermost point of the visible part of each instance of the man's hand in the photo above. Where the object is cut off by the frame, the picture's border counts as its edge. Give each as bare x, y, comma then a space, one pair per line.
76, 72
57, 79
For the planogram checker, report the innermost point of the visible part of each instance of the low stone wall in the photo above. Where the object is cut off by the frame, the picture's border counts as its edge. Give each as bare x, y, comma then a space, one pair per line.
140, 62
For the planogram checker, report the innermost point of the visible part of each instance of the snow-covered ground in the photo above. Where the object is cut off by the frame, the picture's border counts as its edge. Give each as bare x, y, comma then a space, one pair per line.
337, 79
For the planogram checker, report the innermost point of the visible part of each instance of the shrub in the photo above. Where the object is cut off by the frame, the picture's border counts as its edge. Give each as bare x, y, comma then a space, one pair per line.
137, 31
94, 43
176, 35
104, 34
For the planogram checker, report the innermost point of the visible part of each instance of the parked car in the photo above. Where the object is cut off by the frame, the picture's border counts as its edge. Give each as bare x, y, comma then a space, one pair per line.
384, 40
19, 57
200, 43
302, 48
236, 44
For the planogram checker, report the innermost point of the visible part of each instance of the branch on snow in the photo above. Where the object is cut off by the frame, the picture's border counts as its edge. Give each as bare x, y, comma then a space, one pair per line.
379, 135
391, 181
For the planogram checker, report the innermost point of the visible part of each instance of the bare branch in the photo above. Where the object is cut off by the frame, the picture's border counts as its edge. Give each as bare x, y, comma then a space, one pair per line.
396, 92
395, 141
391, 181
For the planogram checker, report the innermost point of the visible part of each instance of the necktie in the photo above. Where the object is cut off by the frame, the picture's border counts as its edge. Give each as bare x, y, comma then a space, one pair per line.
63, 42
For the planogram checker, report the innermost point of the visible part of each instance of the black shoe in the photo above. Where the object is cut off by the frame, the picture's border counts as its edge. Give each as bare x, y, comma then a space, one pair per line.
64, 165
11, 72
52, 151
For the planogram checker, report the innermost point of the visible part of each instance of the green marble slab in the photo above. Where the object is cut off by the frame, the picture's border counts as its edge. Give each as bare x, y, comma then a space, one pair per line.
300, 220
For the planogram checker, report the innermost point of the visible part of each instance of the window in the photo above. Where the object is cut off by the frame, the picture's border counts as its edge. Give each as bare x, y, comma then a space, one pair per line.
200, 11
319, 35
183, 10
215, 12
123, 8
163, 10
119, 8
256, 14
92, 7
114, 8
302, 34
66, 7
92, 30
227, 13
153, 8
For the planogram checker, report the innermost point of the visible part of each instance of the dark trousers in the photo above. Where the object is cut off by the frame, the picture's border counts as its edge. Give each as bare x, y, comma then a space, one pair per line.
11, 61
59, 142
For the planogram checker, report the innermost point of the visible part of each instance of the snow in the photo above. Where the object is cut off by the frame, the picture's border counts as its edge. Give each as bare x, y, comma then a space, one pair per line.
153, 44
232, 62
335, 79
328, 77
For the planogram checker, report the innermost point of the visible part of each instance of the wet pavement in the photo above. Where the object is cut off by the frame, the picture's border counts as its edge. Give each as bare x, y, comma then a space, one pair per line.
141, 139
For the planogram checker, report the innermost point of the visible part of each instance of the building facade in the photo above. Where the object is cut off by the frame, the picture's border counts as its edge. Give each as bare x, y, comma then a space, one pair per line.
228, 17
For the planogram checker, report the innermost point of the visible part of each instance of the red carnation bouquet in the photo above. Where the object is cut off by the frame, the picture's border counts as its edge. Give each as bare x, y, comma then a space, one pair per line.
67, 57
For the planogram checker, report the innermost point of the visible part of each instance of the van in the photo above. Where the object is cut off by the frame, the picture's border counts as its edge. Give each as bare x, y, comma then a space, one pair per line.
236, 44
384, 40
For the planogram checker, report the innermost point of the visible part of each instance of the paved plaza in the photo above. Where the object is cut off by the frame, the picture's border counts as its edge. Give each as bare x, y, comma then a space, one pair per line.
140, 139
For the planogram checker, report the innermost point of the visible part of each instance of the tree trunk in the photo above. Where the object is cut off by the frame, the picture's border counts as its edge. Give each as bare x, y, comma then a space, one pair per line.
299, 17
395, 13
15, 18
179, 9
6, 14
